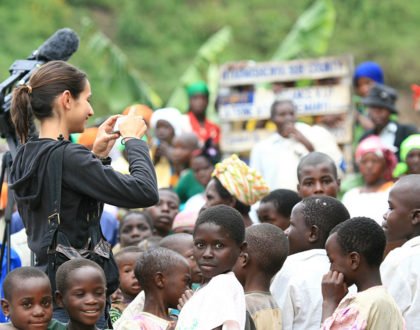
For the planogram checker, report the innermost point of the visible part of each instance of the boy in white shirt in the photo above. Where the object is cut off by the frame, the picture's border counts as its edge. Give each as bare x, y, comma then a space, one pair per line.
297, 286
400, 271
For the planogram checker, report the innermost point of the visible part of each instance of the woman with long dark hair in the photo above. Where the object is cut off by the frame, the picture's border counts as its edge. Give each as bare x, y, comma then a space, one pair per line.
58, 96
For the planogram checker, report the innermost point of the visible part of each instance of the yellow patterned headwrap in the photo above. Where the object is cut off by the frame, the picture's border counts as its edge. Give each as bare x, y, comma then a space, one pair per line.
243, 182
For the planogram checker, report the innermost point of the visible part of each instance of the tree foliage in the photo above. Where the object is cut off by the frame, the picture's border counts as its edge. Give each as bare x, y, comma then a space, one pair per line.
156, 41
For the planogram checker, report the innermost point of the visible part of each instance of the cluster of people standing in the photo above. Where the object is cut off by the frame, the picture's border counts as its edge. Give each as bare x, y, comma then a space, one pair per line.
200, 241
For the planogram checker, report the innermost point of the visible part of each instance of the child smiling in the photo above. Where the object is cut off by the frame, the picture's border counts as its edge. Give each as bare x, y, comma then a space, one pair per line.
81, 288
27, 299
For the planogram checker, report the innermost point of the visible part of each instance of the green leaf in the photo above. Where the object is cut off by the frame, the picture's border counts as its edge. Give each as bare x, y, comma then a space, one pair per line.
311, 33
202, 68
120, 76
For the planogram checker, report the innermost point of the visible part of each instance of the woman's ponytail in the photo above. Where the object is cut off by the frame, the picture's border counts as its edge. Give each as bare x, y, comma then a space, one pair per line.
36, 99
21, 111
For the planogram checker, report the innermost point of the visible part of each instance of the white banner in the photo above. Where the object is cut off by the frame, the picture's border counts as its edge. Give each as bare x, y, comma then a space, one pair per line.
250, 73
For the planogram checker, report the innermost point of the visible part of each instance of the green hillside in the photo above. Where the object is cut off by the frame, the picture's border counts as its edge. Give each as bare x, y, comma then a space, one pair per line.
156, 40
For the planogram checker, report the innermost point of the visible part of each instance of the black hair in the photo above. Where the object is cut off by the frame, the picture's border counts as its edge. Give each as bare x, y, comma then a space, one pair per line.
143, 214
225, 194
157, 260
171, 191
226, 217
315, 158
324, 212
364, 236
209, 152
37, 97
267, 246
17, 275
149, 243
64, 272
283, 200
127, 250
171, 242
279, 102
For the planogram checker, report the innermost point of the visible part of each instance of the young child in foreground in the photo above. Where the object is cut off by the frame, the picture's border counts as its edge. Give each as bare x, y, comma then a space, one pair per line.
27, 299
164, 276
181, 243
220, 303
81, 289
129, 285
355, 249
400, 271
267, 249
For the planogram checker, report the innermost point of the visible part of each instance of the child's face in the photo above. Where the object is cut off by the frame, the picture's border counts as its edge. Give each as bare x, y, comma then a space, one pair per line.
413, 161
134, 229
128, 283
202, 169
298, 232
363, 86
164, 212
372, 167
339, 260
31, 305
84, 299
164, 131
186, 249
398, 219
215, 251
267, 213
177, 281
181, 152
318, 180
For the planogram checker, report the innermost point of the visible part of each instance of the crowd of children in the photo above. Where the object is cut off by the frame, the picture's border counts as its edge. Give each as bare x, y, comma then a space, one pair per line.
219, 250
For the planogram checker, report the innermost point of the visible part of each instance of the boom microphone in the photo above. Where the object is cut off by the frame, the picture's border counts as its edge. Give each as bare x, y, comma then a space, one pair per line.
60, 46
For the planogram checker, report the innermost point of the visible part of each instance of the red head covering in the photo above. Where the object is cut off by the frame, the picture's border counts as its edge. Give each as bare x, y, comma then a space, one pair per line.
373, 144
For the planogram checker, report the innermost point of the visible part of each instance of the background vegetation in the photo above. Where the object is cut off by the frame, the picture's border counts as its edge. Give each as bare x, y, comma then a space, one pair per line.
154, 41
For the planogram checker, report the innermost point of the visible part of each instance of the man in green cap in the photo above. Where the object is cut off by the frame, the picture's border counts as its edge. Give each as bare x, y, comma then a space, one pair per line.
198, 94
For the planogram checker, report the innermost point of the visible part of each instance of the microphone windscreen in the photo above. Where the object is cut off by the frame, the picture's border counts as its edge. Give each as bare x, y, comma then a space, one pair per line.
60, 46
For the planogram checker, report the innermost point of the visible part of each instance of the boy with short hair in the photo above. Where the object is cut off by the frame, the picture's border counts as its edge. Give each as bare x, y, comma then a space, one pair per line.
275, 208
27, 299
355, 249
181, 243
164, 212
81, 291
297, 286
164, 276
264, 256
400, 270
317, 175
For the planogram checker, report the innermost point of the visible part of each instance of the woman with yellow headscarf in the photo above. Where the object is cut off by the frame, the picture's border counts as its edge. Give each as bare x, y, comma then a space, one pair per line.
237, 185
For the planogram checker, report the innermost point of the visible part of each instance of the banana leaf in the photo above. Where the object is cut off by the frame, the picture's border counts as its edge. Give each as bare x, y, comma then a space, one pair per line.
120, 77
311, 33
203, 67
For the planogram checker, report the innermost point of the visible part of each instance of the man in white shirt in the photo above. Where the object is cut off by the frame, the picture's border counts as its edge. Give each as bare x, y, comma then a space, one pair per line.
400, 271
277, 157
297, 286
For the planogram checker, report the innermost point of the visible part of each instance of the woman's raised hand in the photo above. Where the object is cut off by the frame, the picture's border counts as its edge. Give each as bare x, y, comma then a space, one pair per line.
132, 126
105, 139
